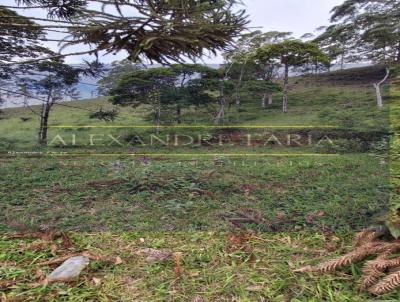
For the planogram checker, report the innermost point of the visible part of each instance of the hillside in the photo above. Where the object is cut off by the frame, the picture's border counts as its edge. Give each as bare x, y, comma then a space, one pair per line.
346, 104
242, 216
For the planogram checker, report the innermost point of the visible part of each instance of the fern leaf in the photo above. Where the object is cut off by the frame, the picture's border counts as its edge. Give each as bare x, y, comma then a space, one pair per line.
372, 271
387, 284
365, 236
357, 255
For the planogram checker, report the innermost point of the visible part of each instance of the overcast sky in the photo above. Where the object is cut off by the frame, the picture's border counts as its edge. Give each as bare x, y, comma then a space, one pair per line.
297, 16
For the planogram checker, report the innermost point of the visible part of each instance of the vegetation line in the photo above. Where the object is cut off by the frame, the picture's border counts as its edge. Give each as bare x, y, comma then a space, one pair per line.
202, 126
193, 154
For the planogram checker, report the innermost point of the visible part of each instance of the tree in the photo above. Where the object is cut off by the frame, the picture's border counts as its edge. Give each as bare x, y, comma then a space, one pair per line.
375, 23
50, 83
17, 43
164, 88
160, 31
117, 70
338, 41
240, 64
224, 95
290, 53
216, 88
373, 26
377, 86
181, 95
148, 86
263, 89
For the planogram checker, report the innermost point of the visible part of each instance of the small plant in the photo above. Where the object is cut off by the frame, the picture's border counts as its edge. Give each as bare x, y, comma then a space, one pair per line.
105, 115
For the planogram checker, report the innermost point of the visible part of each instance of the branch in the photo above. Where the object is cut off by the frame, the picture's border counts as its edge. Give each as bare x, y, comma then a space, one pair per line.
44, 101
51, 57
39, 19
39, 26
25, 7
386, 76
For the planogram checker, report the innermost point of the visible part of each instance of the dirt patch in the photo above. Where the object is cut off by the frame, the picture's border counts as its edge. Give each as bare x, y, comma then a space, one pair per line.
104, 184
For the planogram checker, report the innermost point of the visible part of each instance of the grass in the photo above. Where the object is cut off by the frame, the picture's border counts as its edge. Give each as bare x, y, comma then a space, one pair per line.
347, 105
117, 204
216, 267
88, 194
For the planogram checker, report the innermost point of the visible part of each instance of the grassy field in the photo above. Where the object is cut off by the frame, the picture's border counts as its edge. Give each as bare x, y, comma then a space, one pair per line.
305, 202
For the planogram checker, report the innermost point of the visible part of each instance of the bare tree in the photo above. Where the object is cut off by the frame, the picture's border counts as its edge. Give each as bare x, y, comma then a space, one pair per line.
377, 86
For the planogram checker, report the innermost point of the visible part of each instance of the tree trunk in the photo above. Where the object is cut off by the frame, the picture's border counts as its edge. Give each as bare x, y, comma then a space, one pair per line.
178, 114
239, 85
377, 86
342, 61
221, 112
158, 118
45, 125
156, 101
285, 90
41, 124
270, 98
44, 118
398, 54
267, 96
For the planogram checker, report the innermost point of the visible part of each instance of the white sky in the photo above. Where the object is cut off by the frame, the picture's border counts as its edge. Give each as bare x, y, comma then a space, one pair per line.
297, 16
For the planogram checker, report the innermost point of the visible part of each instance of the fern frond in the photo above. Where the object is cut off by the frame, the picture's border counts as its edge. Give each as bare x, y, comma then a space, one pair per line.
372, 271
380, 275
365, 236
390, 282
357, 255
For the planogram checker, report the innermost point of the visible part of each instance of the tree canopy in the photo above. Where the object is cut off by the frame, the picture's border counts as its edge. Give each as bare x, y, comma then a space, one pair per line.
18, 40
150, 30
369, 28
290, 53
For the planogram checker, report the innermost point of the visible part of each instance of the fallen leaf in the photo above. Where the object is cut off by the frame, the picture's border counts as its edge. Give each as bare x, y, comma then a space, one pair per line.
53, 249
255, 288
66, 240
37, 245
280, 214
291, 264
118, 260
309, 218
178, 269
7, 283
40, 275
96, 281
238, 241
198, 298
94, 256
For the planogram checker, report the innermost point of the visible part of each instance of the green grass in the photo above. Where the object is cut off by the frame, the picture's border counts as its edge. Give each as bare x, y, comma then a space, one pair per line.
82, 194
214, 269
184, 203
